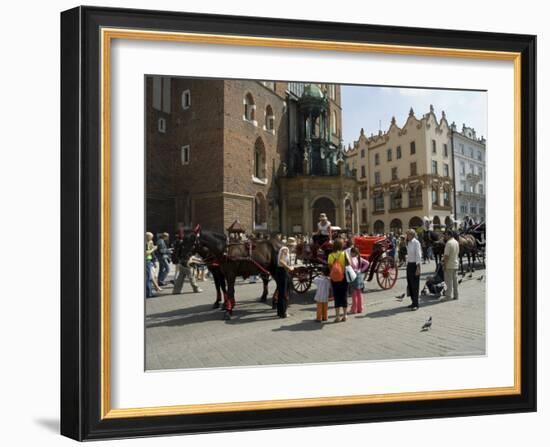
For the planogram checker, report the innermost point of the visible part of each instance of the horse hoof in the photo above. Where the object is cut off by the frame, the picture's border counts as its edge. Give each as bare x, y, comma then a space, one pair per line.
227, 316
263, 299
216, 305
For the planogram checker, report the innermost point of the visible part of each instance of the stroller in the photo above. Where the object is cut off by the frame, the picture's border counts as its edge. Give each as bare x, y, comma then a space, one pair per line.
435, 283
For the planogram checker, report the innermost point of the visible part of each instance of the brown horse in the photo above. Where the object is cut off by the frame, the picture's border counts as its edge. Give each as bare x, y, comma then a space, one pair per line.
467, 247
247, 258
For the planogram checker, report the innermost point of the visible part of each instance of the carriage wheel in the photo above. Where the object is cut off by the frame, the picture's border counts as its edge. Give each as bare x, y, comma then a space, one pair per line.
386, 273
301, 280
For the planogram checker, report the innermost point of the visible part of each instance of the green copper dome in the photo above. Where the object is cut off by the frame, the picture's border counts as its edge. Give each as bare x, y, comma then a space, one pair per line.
312, 91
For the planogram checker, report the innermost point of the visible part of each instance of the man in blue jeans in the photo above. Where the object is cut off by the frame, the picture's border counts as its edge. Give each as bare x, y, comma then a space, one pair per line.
148, 279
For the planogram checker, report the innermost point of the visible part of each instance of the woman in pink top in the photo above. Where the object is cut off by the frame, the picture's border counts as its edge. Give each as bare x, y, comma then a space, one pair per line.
359, 266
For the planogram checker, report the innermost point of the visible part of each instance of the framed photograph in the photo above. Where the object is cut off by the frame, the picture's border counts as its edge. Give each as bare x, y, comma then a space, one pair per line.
274, 223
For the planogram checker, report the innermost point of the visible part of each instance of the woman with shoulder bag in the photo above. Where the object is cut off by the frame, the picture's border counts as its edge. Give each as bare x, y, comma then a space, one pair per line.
337, 262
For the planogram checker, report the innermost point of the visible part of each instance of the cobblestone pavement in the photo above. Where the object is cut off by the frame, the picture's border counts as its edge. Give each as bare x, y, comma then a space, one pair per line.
183, 331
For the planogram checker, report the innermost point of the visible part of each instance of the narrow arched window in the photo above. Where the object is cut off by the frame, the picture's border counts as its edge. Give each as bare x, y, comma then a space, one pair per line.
249, 108
333, 124
269, 119
260, 212
259, 160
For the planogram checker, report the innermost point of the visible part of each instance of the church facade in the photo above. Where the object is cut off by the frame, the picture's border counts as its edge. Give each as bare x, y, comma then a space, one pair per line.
265, 153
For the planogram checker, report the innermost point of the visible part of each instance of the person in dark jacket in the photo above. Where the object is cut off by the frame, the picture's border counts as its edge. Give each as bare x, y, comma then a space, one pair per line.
163, 255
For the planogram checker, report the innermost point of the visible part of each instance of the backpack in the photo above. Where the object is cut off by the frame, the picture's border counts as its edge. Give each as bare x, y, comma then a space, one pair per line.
337, 271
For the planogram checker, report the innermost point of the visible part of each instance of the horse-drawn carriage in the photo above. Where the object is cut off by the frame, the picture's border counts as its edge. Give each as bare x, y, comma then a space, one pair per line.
376, 250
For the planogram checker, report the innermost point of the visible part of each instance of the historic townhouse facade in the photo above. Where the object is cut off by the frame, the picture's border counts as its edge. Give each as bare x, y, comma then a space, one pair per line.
262, 152
409, 174
470, 175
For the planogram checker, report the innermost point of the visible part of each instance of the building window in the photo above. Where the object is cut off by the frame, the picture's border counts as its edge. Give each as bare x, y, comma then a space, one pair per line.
472, 169
415, 197
413, 148
479, 157
162, 125
389, 154
446, 198
462, 167
396, 200
434, 147
376, 159
379, 202
249, 108
260, 212
473, 209
480, 172
364, 192
445, 169
394, 173
413, 169
463, 186
186, 99
435, 198
463, 209
333, 123
377, 178
480, 188
362, 153
185, 155
398, 152
461, 146
259, 160
482, 211
471, 152
269, 119
363, 172
445, 150
434, 167
363, 215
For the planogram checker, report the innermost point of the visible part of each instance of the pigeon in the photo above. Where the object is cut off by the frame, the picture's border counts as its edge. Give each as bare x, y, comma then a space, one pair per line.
400, 297
470, 275
460, 280
480, 278
427, 325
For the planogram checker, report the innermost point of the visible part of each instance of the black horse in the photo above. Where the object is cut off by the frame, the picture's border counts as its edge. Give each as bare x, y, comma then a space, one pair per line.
183, 250
435, 241
244, 259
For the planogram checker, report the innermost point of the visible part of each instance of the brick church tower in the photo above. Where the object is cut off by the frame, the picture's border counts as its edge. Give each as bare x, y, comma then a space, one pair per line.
224, 150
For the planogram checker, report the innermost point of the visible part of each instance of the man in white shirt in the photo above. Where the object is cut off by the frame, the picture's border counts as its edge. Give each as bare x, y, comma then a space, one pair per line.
450, 265
414, 259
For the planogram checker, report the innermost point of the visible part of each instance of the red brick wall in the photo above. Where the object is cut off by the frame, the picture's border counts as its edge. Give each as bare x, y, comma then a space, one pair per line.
240, 139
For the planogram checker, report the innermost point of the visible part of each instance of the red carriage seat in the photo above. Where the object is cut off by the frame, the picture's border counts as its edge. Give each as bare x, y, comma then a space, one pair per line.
365, 244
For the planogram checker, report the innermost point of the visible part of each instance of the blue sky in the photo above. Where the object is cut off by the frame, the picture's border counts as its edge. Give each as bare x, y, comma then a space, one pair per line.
366, 107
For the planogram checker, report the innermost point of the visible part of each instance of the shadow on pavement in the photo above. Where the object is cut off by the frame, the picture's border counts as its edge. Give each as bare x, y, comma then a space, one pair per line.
424, 301
304, 325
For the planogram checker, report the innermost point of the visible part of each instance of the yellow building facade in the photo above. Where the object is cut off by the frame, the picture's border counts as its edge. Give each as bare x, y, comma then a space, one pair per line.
404, 175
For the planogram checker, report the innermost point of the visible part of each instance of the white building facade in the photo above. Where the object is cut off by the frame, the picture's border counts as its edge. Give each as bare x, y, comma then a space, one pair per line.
470, 173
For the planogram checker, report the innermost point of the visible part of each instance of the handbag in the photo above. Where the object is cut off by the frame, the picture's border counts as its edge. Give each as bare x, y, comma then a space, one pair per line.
350, 274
